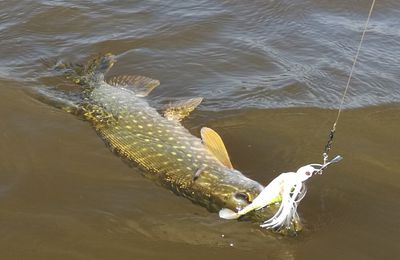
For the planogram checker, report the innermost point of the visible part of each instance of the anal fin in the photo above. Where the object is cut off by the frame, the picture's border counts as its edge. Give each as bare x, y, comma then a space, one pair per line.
216, 146
181, 109
141, 85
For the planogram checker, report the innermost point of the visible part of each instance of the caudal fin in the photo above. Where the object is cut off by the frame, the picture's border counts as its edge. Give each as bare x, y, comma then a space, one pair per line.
228, 214
81, 74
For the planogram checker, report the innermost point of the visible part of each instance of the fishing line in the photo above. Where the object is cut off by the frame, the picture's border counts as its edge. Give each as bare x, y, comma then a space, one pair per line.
289, 186
328, 146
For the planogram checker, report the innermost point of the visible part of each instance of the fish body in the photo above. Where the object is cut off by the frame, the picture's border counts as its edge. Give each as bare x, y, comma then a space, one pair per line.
160, 145
163, 148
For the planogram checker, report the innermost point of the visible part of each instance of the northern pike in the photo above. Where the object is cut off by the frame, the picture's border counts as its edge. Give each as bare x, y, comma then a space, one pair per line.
198, 169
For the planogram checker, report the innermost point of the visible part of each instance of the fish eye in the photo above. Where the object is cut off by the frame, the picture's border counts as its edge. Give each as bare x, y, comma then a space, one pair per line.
308, 173
242, 196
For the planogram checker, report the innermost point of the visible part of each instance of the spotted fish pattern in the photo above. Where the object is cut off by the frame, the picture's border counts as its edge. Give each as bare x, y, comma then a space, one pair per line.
163, 148
159, 145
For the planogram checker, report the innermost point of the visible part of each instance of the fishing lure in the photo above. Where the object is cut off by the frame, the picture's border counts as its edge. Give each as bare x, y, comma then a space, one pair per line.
288, 188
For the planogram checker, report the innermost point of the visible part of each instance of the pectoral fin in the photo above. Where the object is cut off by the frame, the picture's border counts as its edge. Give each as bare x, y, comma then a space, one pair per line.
216, 146
181, 109
141, 85
197, 173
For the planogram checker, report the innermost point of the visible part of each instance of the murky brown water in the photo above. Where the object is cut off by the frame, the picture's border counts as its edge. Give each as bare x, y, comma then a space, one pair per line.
270, 73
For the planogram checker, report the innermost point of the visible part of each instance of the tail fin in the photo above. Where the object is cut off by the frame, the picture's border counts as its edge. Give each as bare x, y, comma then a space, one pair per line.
228, 214
72, 71
80, 74
99, 65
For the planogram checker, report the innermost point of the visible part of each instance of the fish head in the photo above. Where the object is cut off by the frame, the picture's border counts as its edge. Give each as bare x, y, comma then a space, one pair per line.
237, 191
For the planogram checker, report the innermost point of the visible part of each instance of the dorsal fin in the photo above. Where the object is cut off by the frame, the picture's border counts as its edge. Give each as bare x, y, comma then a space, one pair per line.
216, 146
141, 85
181, 109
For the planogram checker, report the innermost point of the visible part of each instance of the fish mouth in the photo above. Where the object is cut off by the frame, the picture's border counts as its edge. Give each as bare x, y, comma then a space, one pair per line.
244, 197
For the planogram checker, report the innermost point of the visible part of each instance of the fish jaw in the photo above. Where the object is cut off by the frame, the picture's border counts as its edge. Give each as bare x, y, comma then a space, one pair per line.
248, 208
